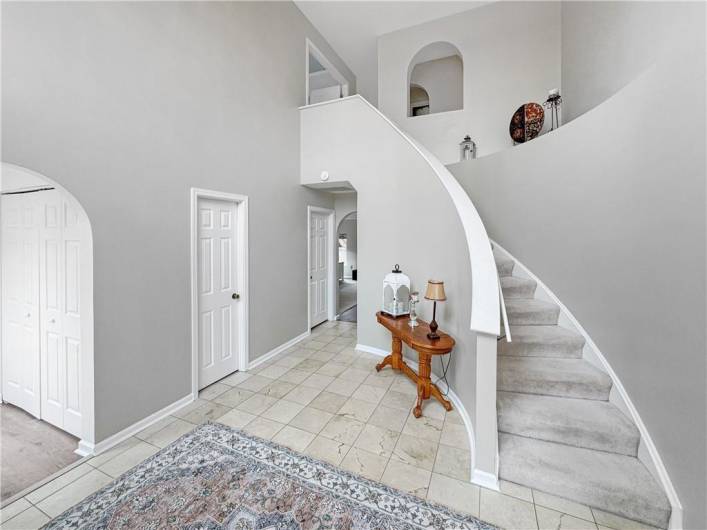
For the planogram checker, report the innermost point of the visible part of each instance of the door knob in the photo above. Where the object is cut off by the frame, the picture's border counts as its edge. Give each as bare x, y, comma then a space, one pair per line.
28, 315
52, 321
235, 296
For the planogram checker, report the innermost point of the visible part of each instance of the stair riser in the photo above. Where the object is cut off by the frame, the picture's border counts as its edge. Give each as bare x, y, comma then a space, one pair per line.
519, 292
586, 440
546, 317
505, 268
566, 350
559, 388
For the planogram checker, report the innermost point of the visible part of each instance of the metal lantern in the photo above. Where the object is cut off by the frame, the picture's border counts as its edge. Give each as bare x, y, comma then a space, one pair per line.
467, 149
396, 293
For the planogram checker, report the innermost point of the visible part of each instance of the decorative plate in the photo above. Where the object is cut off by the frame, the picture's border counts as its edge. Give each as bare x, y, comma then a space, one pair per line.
527, 122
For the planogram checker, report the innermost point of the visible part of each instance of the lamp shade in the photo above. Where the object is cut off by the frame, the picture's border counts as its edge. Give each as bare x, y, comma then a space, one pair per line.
435, 291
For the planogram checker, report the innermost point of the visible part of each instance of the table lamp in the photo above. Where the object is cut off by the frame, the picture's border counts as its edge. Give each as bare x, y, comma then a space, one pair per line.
435, 292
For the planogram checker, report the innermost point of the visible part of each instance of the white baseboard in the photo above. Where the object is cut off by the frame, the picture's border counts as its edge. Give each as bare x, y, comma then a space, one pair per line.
281, 348
477, 477
648, 453
371, 349
104, 445
485, 479
85, 448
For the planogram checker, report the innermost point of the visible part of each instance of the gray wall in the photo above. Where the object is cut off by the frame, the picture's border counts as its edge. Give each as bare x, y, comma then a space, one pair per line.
129, 105
612, 219
511, 55
605, 45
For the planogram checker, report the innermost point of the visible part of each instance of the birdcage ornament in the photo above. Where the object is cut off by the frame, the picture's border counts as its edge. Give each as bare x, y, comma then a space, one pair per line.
396, 293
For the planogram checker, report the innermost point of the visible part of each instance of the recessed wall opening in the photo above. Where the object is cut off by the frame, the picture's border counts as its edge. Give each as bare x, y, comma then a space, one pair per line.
323, 82
46, 351
419, 101
435, 80
347, 266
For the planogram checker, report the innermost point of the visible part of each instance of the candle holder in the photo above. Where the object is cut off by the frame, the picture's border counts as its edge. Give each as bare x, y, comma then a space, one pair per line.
553, 102
414, 299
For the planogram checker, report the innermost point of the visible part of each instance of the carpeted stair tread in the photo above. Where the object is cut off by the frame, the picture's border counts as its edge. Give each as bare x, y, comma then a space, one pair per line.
542, 341
504, 265
516, 287
578, 422
614, 483
573, 378
531, 312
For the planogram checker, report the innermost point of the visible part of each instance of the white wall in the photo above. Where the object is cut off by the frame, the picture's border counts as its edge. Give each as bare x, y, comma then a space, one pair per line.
443, 80
344, 204
128, 119
615, 226
412, 211
605, 45
511, 53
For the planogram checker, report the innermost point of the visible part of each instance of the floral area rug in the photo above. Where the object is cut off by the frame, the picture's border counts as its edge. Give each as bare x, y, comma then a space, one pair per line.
216, 477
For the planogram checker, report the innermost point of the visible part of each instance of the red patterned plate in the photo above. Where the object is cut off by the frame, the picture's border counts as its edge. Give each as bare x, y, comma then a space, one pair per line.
527, 122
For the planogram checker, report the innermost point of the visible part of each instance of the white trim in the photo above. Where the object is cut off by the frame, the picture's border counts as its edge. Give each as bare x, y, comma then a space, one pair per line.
485, 480
279, 349
372, 349
331, 264
138, 426
490, 481
593, 354
310, 47
88, 423
85, 448
241, 202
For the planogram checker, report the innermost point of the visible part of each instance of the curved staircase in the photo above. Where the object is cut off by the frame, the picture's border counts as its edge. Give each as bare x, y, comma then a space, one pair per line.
558, 433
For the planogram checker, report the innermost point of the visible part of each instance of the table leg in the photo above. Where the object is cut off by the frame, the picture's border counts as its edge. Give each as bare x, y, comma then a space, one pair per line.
395, 359
424, 382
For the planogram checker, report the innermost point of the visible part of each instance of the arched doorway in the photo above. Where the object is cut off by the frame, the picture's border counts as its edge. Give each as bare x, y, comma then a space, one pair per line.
47, 304
347, 267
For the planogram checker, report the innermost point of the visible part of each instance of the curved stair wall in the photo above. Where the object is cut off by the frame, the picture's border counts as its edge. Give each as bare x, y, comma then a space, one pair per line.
612, 219
413, 212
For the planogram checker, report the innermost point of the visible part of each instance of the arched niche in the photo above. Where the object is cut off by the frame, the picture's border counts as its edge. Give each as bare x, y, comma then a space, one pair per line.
435, 80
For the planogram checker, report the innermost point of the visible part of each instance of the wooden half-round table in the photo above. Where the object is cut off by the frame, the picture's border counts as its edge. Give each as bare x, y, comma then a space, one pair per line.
416, 338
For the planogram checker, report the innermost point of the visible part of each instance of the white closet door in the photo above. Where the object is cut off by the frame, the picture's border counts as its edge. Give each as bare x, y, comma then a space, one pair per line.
60, 251
318, 268
20, 311
218, 299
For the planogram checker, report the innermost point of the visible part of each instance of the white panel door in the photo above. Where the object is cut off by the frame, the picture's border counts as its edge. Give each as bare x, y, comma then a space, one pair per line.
219, 299
20, 311
62, 242
318, 267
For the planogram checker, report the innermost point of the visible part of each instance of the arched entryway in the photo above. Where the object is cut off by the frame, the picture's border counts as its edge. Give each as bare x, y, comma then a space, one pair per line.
47, 304
347, 267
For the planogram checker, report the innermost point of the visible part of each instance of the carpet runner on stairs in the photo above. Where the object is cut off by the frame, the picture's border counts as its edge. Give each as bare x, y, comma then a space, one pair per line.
558, 432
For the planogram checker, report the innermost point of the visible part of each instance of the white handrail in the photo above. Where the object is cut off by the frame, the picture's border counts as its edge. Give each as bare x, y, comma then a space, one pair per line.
506, 325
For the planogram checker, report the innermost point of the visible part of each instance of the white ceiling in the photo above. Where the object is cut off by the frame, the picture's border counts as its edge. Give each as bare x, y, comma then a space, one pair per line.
352, 28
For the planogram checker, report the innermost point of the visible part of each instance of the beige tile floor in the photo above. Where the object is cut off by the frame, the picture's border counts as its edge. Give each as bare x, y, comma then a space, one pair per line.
325, 399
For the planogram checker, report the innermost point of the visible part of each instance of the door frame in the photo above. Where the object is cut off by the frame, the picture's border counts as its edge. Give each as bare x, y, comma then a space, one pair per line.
87, 440
241, 203
331, 264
